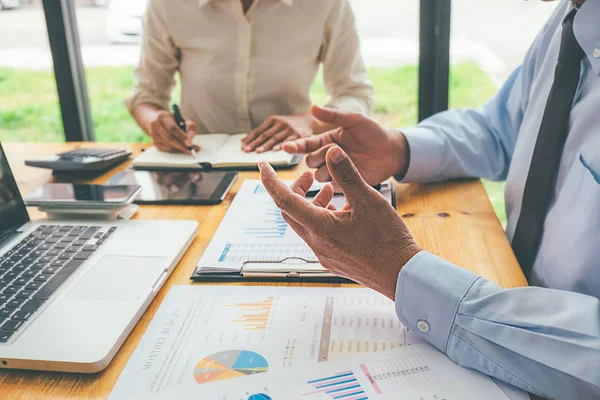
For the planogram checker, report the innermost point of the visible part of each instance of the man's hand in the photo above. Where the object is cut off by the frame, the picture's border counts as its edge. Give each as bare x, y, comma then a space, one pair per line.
277, 129
377, 152
366, 241
167, 136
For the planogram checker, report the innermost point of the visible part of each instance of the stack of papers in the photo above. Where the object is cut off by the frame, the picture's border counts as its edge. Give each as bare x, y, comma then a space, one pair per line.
272, 343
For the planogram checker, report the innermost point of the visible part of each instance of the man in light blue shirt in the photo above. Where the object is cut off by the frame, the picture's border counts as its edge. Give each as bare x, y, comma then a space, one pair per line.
545, 338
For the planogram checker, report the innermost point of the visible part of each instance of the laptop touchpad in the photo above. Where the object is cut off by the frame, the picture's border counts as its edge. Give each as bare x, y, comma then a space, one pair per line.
119, 278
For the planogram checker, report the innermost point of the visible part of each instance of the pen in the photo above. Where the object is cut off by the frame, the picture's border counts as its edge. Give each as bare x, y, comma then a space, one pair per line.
181, 123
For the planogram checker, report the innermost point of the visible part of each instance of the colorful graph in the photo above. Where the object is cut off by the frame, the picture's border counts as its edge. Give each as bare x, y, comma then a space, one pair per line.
259, 396
229, 364
339, 386
255, 314
394, 375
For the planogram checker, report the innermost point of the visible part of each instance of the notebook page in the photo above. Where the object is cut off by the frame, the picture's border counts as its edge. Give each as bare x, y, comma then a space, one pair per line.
232, 154
210, 146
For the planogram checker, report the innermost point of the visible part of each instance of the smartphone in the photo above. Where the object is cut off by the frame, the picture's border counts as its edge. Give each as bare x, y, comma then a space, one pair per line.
82, 195
177, 187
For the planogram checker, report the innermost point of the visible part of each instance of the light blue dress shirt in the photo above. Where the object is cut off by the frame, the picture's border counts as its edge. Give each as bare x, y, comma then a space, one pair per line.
544, 339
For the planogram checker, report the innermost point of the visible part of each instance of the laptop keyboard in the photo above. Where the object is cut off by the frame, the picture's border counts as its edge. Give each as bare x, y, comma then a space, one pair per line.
38, 265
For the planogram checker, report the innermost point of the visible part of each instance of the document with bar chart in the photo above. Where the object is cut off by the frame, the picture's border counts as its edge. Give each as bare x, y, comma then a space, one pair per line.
419, 372
205, 338
259, 235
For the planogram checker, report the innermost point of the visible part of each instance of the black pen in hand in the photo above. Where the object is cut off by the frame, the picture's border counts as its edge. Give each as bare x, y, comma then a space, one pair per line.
181, 123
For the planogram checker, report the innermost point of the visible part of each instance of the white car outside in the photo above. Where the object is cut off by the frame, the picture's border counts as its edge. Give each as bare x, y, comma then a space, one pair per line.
9, 4
124, 20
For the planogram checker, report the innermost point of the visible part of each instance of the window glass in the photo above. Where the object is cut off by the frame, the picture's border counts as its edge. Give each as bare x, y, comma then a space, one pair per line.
489, 40
29, 108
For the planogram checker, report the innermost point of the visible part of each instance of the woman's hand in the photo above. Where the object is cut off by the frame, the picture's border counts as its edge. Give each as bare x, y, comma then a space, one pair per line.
278, 129
167, 136
160, 125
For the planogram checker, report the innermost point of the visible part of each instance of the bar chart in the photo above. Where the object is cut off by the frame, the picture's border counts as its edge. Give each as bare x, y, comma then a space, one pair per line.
343, 385
253, 315
270, 225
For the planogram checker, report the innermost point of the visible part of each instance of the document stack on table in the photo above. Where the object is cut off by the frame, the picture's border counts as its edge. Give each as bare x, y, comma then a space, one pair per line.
254, 242
247, 343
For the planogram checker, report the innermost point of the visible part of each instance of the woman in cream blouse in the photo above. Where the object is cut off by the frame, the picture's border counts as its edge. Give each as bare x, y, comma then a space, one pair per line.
246, 66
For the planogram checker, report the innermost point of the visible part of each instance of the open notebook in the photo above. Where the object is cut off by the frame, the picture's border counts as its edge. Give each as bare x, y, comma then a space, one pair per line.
217, 150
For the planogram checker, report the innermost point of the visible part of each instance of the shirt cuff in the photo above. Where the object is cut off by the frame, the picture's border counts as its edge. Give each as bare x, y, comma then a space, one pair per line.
140, 97
426, 155
429, 293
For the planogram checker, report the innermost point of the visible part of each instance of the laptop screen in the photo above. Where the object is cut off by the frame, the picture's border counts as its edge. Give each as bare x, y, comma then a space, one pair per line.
13, 213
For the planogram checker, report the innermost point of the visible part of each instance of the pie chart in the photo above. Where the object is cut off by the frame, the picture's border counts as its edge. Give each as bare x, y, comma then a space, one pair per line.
230, 364
259, 396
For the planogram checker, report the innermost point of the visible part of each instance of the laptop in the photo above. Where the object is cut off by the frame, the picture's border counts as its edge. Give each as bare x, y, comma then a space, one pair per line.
72, 291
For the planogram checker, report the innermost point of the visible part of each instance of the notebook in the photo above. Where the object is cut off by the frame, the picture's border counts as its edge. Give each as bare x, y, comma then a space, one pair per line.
217, 151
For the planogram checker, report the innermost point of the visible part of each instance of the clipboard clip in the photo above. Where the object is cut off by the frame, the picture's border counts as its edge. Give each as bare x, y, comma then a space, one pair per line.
287, 274
286, 260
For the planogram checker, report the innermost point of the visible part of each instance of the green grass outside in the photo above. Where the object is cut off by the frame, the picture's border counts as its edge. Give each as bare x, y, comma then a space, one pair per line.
29, 109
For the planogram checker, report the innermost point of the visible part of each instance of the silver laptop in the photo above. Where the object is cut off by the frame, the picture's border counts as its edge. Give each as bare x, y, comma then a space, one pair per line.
71, 292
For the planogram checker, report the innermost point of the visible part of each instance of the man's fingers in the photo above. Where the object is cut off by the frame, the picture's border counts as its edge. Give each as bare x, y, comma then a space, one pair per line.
317, 158
299, 229
309, 144
324, 197
302, 185
335, 117
322, 174
291, 203
347, 177
290, 138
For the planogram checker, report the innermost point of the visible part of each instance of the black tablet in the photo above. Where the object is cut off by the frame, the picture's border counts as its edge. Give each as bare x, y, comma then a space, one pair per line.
177, 187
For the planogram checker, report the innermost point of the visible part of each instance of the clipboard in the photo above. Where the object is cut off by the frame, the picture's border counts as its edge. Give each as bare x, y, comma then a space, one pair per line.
214, 271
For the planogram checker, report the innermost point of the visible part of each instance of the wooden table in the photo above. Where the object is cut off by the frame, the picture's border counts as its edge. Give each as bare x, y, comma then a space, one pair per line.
454, 220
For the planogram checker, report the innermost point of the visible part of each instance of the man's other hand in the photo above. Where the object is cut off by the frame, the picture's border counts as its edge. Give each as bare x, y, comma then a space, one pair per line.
366, 241
377, 152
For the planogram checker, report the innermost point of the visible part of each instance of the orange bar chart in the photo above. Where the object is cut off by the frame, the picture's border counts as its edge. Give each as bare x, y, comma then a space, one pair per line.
255, 314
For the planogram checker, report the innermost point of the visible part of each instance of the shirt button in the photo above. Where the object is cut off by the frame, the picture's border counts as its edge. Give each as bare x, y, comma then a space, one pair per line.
423, 326
596, 53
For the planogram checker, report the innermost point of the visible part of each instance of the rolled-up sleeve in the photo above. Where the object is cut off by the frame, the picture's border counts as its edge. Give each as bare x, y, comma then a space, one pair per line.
159, 61
344, 74
544, 341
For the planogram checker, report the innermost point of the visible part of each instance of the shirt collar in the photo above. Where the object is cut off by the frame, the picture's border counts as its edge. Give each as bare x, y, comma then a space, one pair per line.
203, 2
587, 31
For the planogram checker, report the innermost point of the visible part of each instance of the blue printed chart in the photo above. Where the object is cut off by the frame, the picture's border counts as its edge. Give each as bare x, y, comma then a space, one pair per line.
270, 226
343, 385
253, 230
